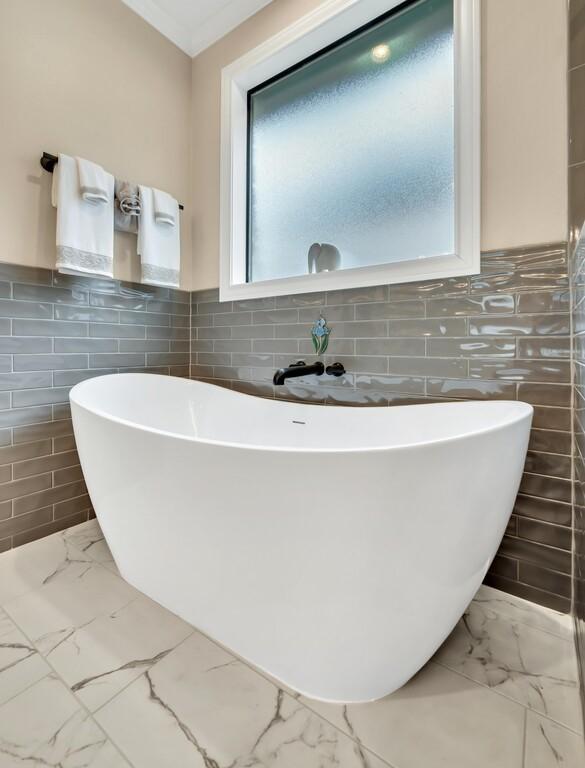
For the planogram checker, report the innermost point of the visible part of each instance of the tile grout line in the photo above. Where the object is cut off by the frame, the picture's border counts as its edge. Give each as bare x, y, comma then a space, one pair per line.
131, 682
60, 679
194, 630
568, 640
253, 669
36, 651
241, 660
506, 696
304, 703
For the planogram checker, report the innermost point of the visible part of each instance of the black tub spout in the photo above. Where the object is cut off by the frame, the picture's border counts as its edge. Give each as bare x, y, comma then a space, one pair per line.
299, 368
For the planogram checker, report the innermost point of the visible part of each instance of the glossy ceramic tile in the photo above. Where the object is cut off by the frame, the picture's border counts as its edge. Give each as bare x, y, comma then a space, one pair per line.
499, 334
161, 694
494, 602
39, 564
576, 152
527, 665
89, 539
66, 602
503, 334
21, 664
433, 720
56, 330
201, 706
45, 726
103, 656
548, 745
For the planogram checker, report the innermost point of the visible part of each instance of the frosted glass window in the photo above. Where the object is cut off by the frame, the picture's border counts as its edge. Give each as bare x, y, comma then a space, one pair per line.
351, 153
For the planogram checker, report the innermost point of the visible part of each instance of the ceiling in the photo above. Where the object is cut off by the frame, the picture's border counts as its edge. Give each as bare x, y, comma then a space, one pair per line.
193, 25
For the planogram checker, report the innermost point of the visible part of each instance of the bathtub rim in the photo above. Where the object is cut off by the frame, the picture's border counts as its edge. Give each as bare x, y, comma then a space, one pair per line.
524, 410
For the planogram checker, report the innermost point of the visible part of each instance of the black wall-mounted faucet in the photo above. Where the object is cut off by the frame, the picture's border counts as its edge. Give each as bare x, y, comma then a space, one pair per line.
300, 368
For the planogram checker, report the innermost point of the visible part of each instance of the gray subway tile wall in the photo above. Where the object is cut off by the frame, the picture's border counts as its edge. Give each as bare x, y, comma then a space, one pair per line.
502, 334
578, 280
56, 330
576, 153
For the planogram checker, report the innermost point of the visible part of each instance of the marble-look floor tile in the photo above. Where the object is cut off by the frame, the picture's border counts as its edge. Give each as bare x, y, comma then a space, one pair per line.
41, 562
438, 719
84, 536
522, 611
88, 538
45, 726
51, 614
103, 657
21, 665
100, 552
202, 707
549, 745
167, 696
534, 668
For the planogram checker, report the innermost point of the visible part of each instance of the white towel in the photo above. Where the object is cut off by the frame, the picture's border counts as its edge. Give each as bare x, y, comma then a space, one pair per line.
166, 210
93, 182
126, 207
159, 245
85, 231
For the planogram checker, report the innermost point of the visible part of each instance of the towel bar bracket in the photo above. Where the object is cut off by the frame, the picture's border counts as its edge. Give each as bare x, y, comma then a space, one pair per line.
48, 162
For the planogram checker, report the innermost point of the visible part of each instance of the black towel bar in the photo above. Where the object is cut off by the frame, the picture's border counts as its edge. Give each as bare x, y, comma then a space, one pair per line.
49, 162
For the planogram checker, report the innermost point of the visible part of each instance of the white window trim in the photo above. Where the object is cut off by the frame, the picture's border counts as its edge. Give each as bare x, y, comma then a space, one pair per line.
313, 32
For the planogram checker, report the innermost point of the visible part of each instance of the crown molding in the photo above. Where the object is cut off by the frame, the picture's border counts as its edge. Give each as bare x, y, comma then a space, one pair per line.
223, 21
163, 22
214, 27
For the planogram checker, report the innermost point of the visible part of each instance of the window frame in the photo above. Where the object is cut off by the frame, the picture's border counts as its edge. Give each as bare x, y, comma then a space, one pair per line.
327, 24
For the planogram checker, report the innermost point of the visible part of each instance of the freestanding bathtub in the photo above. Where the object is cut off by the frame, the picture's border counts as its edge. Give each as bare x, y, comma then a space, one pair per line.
335, 548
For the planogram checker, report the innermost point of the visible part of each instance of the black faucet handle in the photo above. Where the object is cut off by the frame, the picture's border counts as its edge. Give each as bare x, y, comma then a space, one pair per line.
297, 364
335, 369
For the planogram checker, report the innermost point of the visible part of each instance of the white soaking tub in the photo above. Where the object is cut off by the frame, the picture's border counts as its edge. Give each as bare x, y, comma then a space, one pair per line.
335, 548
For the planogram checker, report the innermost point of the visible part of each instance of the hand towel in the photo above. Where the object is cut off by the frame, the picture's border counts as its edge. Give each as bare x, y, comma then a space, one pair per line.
159, 245
166, 210
93, 182
85, 231
127, 207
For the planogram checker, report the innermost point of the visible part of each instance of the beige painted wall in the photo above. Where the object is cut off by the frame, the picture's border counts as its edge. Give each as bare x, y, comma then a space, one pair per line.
92, 78
524, 116
89, 78
524, 186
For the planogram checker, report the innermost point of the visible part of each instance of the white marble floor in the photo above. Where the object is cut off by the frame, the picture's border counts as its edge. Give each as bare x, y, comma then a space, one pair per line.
93, 673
